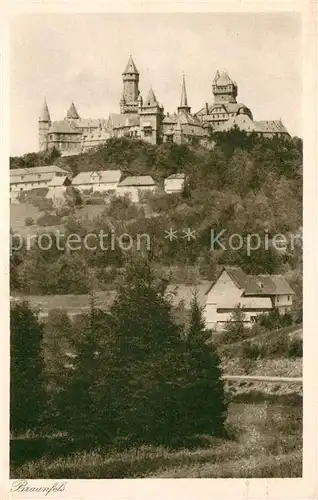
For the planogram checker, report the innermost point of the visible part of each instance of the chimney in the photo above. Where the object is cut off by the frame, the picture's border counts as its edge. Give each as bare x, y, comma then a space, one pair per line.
206, 108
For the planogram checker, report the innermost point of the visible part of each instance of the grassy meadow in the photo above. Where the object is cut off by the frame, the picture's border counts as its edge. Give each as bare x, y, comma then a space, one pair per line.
265, 440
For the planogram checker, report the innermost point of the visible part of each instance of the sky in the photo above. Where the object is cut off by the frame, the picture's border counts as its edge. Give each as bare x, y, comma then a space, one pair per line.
81, 57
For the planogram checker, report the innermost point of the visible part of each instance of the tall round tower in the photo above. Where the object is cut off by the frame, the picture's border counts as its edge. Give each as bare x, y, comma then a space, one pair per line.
44, 125
130, 93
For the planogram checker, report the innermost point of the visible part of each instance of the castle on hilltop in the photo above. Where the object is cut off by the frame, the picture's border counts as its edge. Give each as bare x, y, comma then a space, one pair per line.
145, 119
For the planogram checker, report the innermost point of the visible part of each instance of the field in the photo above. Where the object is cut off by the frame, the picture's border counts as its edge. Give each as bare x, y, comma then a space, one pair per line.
266, 441
19, 212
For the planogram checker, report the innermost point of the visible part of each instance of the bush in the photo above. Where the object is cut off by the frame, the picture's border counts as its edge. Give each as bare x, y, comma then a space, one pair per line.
95, 201
49, 220
43, 204
29, 221
295, 348
63, 211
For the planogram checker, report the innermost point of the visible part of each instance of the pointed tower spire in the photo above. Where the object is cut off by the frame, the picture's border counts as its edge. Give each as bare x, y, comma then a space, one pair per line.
151, 99
72, 113
45, 114
131, 67
184, 108
184, 100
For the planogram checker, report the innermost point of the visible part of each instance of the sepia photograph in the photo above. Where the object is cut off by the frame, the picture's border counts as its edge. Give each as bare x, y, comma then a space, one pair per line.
156, 246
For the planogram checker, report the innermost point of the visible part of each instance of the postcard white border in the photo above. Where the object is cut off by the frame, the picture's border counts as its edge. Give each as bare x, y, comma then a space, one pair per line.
187, 489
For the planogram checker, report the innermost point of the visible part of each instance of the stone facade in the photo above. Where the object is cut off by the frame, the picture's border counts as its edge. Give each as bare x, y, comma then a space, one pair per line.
145, 118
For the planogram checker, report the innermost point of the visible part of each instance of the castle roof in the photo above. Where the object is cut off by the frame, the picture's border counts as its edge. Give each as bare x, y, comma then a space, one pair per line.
245, 123
151, 98
222, 79
64, 127
45, 114
131, 67
117, 120
72, 113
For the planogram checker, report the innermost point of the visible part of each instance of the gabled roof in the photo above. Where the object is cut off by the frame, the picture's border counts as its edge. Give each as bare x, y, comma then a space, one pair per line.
38, 170
98, 177
131, 67
72, 113
138, 180
176, 176
59, 180
45, 114
256, 285
64, 127
267, 285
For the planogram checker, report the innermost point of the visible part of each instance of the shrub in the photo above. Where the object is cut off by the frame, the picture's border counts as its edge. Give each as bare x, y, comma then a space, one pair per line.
295, 348
63, 211
29, 221
49, 220
95, 201
43, 204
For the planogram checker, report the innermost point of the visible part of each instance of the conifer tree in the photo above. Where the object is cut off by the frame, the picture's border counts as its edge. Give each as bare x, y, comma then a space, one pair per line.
204, 398
27, 377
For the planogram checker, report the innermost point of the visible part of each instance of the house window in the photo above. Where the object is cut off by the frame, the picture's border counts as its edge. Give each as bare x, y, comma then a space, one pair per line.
277, 299
288, 298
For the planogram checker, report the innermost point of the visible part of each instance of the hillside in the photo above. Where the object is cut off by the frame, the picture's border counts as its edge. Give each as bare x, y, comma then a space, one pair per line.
244, 185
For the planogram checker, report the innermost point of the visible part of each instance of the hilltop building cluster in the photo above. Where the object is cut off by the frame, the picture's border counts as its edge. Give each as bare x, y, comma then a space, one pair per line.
145, 118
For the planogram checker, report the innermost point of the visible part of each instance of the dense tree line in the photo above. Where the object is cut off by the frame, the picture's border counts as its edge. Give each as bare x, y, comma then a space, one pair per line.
131, 374
245, 184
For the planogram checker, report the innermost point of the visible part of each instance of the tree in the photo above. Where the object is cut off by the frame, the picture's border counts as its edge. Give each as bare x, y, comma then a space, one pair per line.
84, 381
236, 329
150, 347
27, 380
204, 402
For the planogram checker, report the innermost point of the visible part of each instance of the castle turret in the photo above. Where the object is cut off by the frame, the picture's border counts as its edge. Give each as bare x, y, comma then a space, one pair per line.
151, 116
184, 108
44, 125
72, 113
224, 89
128, 103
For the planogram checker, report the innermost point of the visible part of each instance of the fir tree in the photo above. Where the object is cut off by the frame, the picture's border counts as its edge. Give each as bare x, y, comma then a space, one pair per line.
27, 380
204, 398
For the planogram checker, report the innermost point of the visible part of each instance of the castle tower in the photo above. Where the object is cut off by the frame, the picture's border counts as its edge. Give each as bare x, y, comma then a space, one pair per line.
128, 102
224, 89
184, 108
151, 115
44, 125
72, 113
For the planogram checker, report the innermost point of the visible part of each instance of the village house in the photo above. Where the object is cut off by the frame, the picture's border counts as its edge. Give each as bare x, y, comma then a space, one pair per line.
174, 183
102, 181
135, 186
255, 294
25, 179
57, 188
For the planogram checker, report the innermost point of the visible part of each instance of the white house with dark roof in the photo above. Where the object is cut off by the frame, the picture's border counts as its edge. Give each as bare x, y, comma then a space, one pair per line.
102, 181
57, 188
135, 186
255, 294
25, 179
174, 183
